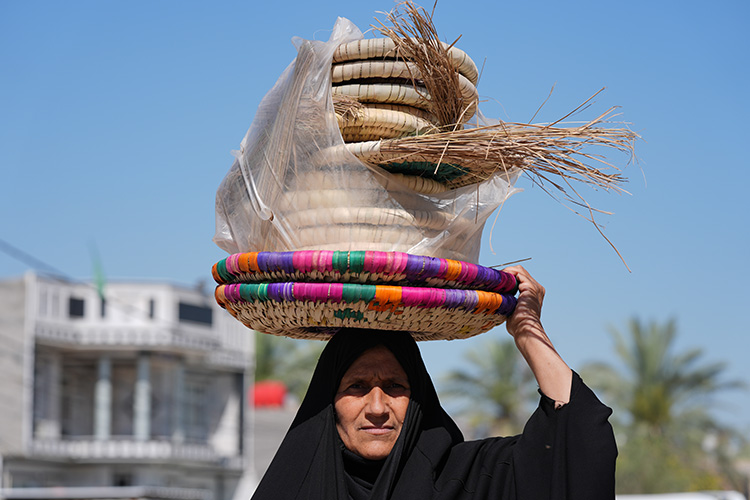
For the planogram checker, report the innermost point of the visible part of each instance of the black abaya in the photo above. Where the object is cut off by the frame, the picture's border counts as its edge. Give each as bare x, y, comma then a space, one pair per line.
568, 453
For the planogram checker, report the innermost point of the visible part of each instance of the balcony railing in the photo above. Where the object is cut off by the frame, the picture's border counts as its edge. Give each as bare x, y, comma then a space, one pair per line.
127, 450
108, 492
223, 347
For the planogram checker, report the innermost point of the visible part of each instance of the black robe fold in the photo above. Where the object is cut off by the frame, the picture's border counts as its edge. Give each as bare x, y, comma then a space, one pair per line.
563, 454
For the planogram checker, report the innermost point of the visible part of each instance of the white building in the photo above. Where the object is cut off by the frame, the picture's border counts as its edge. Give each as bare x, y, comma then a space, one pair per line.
141, 395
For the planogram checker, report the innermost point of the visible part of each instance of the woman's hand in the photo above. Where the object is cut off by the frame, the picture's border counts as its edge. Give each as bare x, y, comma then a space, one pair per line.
525, 326
527, 316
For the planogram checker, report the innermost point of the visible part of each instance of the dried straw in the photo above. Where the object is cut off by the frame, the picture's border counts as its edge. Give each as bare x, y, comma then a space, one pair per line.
417, 41
347, 107
543, 152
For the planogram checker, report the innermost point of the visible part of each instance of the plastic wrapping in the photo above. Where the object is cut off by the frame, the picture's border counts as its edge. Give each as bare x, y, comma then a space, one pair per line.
294, 186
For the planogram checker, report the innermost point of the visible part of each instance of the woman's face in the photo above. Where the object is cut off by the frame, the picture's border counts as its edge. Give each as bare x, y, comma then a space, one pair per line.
371, 403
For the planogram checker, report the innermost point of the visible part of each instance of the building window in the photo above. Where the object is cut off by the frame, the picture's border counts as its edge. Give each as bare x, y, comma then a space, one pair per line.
55, 304
43, 302
151, 308
195, 314
122, 479
75, 307
195, 408
102, 307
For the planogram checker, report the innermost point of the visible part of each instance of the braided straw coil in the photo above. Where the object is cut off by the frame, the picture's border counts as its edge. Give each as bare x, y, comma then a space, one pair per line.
396, 71
392, 123
380, 48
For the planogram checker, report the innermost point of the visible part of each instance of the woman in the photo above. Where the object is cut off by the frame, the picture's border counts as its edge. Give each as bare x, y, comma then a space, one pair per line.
371, 427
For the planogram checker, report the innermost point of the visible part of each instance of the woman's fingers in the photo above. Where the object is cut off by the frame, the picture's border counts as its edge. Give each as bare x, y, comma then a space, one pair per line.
528, 310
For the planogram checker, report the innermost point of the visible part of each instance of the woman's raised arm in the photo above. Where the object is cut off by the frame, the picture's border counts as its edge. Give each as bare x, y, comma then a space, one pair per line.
525, 326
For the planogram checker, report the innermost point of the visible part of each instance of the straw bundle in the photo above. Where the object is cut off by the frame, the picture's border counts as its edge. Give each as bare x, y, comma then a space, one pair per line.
544, 152
417, 41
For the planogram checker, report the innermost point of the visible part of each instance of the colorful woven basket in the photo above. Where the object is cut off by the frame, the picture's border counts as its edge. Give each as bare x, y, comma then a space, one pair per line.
394, 268
311, 294
318, 310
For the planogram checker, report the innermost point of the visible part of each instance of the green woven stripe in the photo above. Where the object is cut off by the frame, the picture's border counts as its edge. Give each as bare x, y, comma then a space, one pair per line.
225, 275
357, 261
254, 292
263, 292
246, 292
353, 292
446, 172
340, 261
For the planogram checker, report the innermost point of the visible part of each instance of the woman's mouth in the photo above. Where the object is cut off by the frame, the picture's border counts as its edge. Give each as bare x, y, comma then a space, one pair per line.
377, 431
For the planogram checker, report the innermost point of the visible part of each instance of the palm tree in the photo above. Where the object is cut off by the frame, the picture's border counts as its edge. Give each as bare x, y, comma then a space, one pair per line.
497, 388
661, 399
658, 387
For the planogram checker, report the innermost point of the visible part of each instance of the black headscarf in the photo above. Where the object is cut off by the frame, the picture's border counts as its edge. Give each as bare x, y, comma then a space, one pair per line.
430, 460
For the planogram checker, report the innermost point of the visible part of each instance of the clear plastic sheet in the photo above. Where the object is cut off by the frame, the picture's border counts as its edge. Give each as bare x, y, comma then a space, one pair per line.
294, 186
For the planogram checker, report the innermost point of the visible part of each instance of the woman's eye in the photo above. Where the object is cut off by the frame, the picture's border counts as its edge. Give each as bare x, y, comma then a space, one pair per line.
395, 386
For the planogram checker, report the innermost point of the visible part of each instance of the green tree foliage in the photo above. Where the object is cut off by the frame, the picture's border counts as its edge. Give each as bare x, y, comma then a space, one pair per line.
668, 439
496, 388
290, 361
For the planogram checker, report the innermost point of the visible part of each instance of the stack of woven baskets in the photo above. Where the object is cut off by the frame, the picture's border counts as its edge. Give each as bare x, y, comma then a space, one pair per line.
314, 288
311, 294
392, 102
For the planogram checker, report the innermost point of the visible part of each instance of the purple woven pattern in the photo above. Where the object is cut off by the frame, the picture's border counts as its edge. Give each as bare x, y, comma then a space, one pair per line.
377, 297
362, 266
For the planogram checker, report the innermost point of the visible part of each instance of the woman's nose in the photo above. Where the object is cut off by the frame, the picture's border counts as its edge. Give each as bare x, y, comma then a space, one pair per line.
376, 401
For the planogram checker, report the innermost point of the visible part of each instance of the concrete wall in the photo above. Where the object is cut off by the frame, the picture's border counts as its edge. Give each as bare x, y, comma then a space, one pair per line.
13, 353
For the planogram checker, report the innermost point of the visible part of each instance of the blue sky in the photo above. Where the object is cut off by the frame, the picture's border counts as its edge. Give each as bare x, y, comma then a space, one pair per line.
117, 120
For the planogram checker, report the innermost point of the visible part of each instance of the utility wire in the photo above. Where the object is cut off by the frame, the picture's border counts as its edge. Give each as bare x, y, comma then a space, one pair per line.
30, 260
52, 272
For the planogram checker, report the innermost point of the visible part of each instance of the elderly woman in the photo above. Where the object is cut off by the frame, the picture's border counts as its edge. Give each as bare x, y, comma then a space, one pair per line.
371, 427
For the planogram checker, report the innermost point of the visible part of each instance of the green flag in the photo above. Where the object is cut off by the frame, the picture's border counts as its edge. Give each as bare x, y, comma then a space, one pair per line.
99, 280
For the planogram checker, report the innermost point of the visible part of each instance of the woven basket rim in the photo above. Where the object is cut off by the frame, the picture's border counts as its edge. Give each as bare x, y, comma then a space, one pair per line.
357, 266
388, 119
401, 72
292, 309
377, 48
376, 153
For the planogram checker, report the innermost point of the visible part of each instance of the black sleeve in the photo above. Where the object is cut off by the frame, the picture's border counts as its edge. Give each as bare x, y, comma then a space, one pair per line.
568, 453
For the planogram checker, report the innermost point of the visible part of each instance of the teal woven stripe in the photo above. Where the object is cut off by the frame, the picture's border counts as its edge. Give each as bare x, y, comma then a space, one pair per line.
357, 261
340, 261
254, 292
221, 267
354, 292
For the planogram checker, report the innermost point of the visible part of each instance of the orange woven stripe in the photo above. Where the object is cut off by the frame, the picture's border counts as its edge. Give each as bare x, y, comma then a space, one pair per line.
454, 269
388, 294
488, 302
252, 262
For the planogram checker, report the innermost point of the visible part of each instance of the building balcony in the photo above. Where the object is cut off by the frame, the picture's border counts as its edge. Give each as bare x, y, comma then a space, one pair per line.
106, 492
126, 450
225, 348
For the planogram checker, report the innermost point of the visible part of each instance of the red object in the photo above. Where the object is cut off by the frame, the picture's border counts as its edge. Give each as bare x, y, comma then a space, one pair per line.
269, 393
